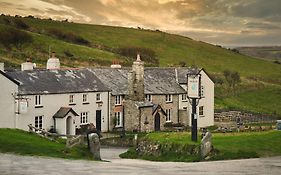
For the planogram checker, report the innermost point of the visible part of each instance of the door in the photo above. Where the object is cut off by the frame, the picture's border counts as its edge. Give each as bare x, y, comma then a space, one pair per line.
98, 120
69, 125
157, 122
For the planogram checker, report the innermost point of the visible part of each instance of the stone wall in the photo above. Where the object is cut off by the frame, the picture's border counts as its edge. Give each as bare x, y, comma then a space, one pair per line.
232, 116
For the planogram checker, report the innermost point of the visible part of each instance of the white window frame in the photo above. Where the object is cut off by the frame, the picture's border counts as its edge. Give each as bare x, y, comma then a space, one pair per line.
184, 97
148, 97
168, 115
84, 118
169, 98
38, 100
38, 121
118, 99
201, 111
98, 97
119, 119
85, 98
71, 99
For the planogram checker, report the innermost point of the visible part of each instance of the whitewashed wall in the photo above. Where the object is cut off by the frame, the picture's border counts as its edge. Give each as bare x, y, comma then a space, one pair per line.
7, 103
52, 102
208, 102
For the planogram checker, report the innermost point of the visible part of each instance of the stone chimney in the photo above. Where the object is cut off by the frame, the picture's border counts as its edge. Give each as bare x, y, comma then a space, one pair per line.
28, 65
2, 67
136, 80
53, 62
115, 65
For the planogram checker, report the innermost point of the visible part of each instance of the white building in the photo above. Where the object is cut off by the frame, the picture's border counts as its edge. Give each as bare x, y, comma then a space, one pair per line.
65, 99
58, 99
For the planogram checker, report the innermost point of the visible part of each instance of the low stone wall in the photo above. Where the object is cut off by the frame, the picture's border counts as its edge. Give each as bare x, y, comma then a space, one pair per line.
157, 149
232, 116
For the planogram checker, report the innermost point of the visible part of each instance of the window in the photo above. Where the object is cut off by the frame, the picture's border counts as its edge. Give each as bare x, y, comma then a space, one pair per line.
85, 98
201, 110
118, 117
169, 98
148, 97
38, 122
168, 115
84, 118
38, 100
98, 97
71, 99
118, 99
183, 97
202, 91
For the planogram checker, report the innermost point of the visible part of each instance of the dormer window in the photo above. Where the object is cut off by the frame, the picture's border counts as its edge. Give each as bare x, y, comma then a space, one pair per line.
169, 98
38, 101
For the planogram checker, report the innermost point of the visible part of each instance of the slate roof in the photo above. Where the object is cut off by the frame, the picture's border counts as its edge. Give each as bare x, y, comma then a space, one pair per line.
156, 80
63, 111
142, 104
161, 81
114, 79
57, 81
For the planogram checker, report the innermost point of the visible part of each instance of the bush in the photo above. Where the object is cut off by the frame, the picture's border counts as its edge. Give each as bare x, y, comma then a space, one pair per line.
147, 54
11, 36
67, 36
20, 24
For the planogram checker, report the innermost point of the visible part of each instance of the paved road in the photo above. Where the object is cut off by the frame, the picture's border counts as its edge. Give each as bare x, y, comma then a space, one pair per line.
27, 165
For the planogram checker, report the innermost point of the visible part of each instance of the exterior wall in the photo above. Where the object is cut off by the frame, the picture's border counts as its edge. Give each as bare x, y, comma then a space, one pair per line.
7, 103
207, 101
51, 103
174, 105
148, 120
132, 116
114, 108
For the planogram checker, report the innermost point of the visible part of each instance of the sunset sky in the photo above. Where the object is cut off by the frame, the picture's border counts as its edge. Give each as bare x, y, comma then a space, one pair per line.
223, 22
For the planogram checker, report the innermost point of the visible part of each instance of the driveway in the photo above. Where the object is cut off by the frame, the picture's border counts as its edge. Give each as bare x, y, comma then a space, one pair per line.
26, 165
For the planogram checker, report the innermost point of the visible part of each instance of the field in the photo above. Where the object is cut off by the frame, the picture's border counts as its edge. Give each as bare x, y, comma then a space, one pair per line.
226, 146
24, 143
102, 47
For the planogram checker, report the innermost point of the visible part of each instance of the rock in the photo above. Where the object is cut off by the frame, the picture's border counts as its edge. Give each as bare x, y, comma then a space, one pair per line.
94, 145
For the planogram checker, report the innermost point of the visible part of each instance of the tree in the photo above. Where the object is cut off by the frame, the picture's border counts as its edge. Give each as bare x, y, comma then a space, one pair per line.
232, 78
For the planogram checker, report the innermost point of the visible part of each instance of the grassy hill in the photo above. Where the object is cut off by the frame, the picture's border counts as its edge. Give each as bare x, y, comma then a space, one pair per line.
25, 143
81, 45
266, 52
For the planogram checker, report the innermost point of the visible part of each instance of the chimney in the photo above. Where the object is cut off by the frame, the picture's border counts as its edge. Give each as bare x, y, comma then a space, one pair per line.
115, 65
2, 67
53, 62
136, 80
28, 65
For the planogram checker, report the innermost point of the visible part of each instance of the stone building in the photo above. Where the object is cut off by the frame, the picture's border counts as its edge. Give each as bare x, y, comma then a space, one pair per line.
115, 98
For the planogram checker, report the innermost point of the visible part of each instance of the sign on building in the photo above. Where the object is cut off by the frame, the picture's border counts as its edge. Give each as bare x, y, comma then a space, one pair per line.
23, 107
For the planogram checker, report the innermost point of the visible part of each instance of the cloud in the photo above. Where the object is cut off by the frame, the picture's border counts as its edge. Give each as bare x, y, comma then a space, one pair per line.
217, 21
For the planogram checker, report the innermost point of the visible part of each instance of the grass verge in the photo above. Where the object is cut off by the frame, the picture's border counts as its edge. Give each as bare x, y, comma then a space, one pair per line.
25, 143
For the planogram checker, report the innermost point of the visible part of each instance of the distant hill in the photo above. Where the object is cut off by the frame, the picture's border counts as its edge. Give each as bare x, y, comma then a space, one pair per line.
268, 52
85, 45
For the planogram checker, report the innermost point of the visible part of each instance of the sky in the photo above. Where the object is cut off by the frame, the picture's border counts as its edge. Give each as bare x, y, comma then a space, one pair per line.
222, 22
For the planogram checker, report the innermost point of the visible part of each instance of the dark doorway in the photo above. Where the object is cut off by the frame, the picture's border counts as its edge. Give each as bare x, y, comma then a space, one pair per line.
98, 120
157, 122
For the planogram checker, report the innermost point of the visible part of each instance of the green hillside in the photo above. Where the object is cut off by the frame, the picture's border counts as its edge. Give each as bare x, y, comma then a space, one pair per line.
81, 45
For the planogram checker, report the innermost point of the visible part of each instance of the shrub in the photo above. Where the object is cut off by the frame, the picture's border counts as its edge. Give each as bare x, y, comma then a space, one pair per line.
67, 36
11, 36
147, 54
20, 24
